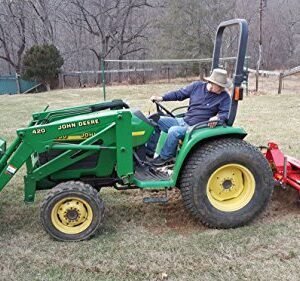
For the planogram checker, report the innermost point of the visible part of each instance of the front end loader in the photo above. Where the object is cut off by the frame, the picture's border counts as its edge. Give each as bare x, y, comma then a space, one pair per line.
73, 152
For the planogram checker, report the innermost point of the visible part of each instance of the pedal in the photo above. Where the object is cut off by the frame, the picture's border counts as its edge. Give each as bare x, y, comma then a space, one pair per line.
171, 162
159, 200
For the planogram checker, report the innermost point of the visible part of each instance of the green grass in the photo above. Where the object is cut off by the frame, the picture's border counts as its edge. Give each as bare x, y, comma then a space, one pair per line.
150, 242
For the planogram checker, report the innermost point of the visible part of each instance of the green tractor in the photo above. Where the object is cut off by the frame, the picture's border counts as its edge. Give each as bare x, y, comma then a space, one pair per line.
225, 182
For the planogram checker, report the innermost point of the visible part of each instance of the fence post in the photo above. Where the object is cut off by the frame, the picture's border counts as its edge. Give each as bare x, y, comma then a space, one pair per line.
256, 80
60, 80
247, 76
103, 78
201, 74
18, 84
280, 82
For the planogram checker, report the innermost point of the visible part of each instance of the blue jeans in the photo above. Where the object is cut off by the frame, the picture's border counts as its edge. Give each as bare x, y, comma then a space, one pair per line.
176, 129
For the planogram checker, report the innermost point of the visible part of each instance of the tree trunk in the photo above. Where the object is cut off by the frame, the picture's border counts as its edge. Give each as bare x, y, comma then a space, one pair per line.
99, 76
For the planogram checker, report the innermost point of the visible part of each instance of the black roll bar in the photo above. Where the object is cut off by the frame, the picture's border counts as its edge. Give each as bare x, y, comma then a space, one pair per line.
239, 75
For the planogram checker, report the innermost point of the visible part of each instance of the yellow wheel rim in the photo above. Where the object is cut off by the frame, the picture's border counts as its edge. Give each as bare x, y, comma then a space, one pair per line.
230, 187
71, 215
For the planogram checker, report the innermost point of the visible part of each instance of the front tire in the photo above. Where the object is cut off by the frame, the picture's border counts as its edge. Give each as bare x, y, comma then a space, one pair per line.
72, 211
226, 183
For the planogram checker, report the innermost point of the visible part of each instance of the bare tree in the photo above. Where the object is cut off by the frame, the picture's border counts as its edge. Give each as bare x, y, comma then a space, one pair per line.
111, 25
43, 14
186, 29
13, 39
131, 31
281, 24
88, 31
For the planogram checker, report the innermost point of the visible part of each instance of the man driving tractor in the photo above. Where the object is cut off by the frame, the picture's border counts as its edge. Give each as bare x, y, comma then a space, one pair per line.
209, 101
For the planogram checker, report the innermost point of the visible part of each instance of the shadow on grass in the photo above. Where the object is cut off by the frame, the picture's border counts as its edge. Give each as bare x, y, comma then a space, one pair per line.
125, 210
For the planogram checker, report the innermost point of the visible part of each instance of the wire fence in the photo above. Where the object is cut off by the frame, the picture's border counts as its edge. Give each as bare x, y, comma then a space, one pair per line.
144, 71
280, 74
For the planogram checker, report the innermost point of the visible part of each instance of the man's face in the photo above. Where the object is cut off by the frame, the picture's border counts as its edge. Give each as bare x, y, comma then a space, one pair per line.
211, 87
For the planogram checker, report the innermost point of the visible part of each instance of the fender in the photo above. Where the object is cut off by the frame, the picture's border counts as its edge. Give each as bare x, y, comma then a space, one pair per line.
195, 138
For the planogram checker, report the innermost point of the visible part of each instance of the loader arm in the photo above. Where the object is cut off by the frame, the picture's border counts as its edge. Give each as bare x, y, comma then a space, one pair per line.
109, 130
54, 115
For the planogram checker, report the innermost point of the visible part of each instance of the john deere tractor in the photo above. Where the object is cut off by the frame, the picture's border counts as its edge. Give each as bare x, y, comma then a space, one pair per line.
225, 182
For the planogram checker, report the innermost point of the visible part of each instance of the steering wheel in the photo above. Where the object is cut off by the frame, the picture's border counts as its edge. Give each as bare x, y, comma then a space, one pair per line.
161, 108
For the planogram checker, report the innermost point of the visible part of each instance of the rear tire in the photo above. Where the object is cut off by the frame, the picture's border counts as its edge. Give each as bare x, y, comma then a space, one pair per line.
72, 211
226, 183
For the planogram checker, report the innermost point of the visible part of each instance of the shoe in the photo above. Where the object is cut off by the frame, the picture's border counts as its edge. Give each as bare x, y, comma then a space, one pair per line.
149, 155
158, 161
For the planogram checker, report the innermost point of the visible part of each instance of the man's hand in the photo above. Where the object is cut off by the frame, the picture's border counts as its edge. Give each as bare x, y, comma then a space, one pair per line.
156, 98
213, 121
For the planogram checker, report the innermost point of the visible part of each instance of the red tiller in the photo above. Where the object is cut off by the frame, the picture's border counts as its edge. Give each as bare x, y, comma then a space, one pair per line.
286, 169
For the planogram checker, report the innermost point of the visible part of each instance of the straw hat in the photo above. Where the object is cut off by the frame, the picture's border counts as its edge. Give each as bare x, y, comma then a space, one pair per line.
219, 77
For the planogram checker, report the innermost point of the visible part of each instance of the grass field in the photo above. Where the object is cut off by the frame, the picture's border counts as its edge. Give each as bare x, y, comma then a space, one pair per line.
154, 242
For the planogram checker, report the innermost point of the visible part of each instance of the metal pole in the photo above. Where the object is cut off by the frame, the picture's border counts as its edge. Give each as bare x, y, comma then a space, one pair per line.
260, 44
103, 78
247, 81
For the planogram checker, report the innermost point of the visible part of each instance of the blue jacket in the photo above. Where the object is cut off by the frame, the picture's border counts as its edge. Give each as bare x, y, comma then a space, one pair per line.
203, 104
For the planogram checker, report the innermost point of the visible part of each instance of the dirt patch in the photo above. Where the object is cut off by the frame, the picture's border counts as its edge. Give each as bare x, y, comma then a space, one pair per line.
284, 203
178, 218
